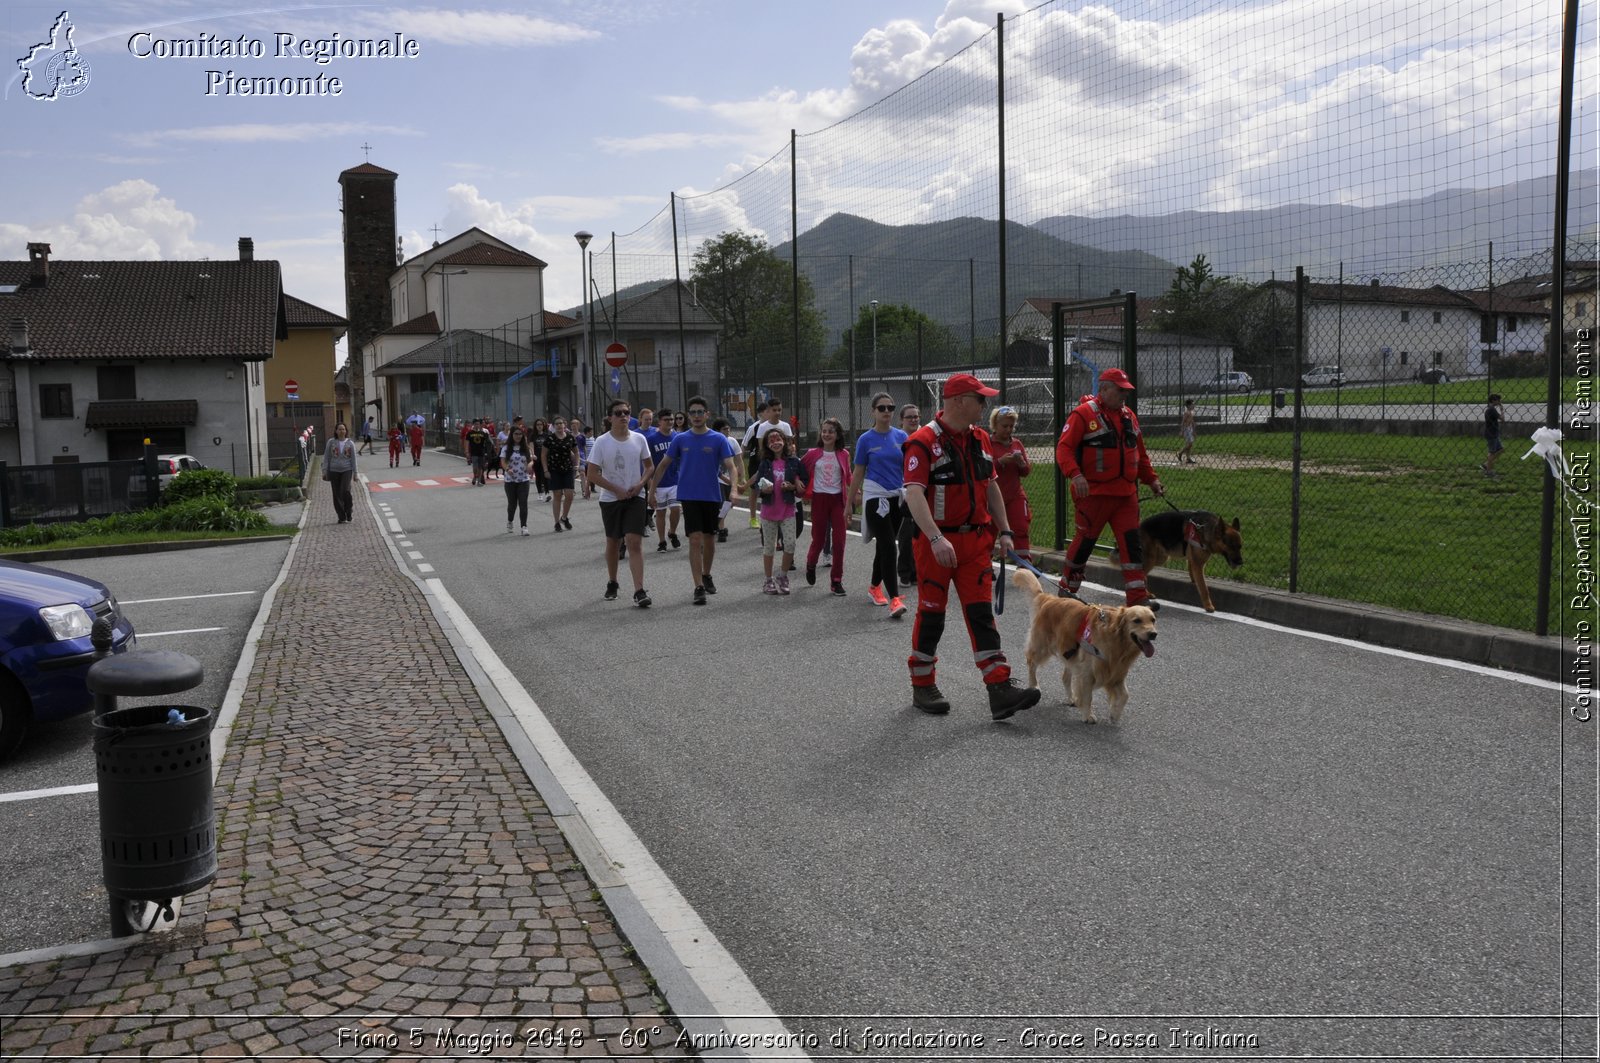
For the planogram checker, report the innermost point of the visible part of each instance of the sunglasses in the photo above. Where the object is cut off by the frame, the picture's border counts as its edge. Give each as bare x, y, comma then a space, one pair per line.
1005, 411
884, 409
698, 413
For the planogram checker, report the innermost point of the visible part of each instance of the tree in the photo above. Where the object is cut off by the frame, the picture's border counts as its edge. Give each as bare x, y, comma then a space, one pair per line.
751, 292
895, 335
1202, 303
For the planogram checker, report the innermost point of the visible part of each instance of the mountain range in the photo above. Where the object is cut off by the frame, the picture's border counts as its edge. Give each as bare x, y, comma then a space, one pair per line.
948, 269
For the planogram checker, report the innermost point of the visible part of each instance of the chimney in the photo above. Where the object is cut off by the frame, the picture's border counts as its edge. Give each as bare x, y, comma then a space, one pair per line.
1375, 282
39, 255
19, 336
247, 249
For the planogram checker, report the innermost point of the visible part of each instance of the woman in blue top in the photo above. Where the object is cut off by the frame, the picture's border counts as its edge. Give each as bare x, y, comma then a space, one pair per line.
877, 481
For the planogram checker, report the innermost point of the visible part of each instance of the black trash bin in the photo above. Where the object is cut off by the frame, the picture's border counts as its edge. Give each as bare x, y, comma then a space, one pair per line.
158, 839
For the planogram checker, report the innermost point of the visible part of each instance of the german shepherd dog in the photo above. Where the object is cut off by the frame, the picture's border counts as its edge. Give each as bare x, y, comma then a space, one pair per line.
1195, 533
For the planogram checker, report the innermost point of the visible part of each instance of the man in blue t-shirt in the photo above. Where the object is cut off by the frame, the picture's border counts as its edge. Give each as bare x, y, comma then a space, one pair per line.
697, 456
659, 437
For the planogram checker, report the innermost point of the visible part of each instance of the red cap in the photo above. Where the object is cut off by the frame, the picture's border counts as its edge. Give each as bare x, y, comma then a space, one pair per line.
964, 383
1117, 377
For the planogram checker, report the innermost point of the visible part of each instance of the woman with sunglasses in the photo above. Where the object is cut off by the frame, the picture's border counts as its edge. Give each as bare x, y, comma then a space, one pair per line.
877, 482
1011, 468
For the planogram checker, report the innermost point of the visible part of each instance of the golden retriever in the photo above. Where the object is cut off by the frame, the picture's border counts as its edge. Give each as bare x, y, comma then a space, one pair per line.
1116, 637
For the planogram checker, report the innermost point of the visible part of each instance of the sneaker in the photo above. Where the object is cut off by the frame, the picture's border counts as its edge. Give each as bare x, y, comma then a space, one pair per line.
930, 700
755, 522
674, 540
641, 598
524, 529
827, 555
611, 590
508, 527
722, 535
566, 522
558, 525
705, 581
897, 608
660, 549
699, 596
877, 596
838, 589
811, 575
1008, 698
783, 584
770, 587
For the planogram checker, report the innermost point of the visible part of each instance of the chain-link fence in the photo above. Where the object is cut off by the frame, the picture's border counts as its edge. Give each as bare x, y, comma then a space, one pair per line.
1189, 159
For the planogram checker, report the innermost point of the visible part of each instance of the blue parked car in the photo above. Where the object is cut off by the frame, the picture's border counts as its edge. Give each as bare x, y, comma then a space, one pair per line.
45, 619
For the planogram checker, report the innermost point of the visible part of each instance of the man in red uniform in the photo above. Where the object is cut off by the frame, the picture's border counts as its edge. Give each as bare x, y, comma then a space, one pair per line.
952, 495
1101, 452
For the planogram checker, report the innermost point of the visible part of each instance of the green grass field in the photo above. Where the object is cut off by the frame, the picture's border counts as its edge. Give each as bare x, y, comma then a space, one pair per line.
1396, 521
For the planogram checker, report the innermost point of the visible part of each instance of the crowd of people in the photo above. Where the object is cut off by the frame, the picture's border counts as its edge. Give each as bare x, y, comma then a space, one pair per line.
938, 501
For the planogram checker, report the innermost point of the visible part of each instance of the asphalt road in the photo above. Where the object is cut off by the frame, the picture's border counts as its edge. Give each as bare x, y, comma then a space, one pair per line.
1281, 826
199, 602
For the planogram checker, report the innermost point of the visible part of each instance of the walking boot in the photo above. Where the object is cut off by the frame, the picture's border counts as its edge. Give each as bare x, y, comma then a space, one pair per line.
930, 700
1008, 698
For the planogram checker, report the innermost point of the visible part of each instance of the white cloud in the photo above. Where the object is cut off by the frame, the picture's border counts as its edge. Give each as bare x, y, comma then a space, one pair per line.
494, 29
128, 220
265, 132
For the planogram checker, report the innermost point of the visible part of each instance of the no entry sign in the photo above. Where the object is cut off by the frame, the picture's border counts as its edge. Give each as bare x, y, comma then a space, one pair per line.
616, 356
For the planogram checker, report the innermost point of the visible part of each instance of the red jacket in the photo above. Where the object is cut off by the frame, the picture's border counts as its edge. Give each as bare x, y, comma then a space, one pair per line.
1106, 447
955, 469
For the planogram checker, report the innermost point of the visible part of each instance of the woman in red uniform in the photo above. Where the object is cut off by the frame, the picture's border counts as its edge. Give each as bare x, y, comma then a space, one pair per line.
1011, 467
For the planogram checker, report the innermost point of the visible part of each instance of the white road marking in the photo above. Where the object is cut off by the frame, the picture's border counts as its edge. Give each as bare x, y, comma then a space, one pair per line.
394, 525
184, 598
415, 555
388, 486
724, 983
54, 791
185, 631
427, 483
424, 568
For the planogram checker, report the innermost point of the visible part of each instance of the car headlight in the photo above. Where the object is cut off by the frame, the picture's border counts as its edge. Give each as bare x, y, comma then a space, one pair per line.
67, 621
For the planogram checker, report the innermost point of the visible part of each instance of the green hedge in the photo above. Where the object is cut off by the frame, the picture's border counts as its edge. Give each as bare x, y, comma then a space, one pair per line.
209, 513
200, 483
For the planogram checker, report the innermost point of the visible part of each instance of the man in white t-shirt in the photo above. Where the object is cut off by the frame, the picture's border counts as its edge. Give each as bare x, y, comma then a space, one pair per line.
620, 465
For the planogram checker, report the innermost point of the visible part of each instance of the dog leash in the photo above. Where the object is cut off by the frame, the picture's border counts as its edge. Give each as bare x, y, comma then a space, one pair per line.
1021, 562
1000, 585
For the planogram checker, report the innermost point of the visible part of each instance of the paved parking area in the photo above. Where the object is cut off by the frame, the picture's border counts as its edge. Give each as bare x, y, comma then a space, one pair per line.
199, 602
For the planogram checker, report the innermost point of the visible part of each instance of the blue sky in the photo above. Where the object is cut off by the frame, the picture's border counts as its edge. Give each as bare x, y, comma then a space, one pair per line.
534, 120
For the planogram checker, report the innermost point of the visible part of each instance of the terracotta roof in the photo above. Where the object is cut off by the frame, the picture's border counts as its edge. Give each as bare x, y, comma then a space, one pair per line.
466, 349
482, 254
301, 314
553, 320
105, 310
1143, 310
426, 325
142, 413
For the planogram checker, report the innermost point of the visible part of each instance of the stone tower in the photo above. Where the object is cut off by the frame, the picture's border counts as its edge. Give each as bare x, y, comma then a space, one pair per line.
367, 203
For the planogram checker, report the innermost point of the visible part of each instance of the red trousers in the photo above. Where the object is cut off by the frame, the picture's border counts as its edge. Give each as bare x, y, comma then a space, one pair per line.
1089, 516
974, 581
828, 521
1019, 516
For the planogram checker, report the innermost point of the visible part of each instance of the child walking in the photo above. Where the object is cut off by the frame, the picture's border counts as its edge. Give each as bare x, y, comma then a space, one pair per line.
779, 479
397, 444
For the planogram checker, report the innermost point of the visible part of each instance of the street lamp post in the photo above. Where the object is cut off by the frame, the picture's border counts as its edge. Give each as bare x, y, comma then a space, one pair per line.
450, 340
875, 337
583, 239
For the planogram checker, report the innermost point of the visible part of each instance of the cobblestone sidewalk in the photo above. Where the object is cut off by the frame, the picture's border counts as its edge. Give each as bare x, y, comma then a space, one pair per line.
389, 882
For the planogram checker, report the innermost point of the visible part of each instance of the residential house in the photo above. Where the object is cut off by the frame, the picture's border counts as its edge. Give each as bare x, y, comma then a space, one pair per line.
666, 364
104, 355
1375, 331
300, 388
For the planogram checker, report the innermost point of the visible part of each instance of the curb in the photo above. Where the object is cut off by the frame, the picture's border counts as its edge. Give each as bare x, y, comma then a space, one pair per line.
1545, 657
73, 552
705, 990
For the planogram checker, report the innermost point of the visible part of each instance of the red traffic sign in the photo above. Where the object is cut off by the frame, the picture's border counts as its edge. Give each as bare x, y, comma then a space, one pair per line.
616, 356
291, 388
